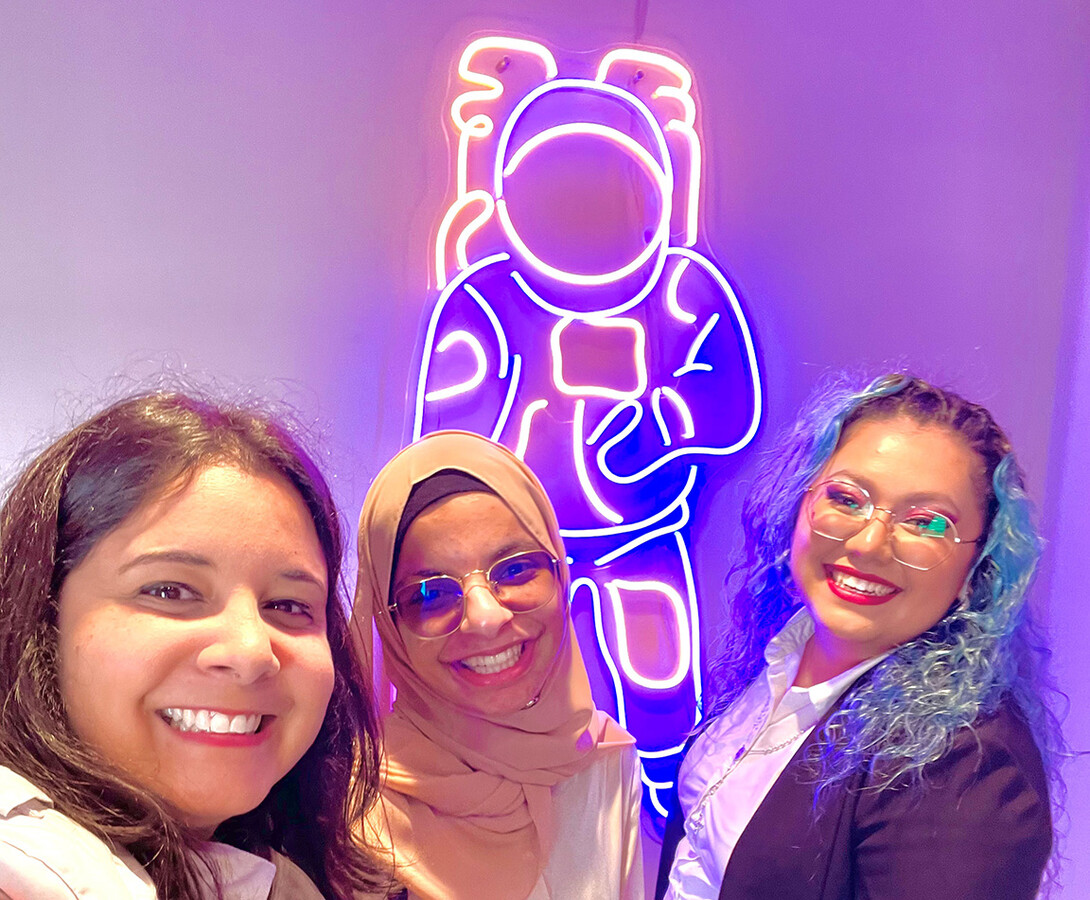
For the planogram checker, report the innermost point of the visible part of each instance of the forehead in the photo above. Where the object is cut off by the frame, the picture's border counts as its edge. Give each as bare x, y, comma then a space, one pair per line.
900, 455
463, 528
224, 506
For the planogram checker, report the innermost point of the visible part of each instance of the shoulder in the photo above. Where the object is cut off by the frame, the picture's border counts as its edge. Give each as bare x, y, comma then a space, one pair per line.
987, 799
999, 744
976, 823
44, 854
291, 882
998, 748
611, 770
608, 790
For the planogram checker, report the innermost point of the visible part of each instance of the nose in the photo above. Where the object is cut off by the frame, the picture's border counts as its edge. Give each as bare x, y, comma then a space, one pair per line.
239, 644
873, 539
484, 614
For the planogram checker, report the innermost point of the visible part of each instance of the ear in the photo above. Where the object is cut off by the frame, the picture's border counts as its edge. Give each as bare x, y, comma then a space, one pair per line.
664, 86
503, 69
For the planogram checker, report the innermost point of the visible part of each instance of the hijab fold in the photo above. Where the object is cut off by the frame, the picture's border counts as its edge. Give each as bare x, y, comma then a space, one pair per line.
467, 802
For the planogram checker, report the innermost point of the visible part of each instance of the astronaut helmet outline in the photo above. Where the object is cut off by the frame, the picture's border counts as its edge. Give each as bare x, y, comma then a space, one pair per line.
653, 159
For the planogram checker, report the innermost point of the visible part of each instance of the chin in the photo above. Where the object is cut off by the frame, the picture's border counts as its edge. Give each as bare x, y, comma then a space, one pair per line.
206, 820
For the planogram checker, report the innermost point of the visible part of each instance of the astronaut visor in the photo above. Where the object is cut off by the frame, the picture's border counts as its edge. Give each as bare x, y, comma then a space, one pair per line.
584, 203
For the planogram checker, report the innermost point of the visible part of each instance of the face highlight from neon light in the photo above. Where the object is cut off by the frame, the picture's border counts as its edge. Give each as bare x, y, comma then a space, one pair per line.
605, 349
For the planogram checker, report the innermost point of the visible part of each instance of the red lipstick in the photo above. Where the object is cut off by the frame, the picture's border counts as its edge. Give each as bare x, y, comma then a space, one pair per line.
851, 595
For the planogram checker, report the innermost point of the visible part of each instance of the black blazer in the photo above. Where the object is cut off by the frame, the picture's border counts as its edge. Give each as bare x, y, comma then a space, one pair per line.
978, 828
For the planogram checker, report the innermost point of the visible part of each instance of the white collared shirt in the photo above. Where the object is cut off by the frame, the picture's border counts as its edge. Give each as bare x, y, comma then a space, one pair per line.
45, 855
733, 764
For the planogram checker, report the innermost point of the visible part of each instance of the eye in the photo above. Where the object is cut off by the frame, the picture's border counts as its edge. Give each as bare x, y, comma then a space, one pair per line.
518, 569
432, 595
844, 498
293, 612
925, 523
171, 591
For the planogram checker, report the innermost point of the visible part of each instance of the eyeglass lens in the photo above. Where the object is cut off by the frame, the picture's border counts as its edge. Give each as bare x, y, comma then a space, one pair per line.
920, 538
433, 607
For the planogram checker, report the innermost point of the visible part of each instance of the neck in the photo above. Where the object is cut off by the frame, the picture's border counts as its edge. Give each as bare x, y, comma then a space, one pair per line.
822, 661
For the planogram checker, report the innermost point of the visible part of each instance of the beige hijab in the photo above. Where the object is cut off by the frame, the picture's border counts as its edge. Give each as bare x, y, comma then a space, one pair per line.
467, 803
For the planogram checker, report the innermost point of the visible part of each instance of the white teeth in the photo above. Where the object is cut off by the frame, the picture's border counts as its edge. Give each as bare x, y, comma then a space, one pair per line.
207, 721
861, 585
490, 665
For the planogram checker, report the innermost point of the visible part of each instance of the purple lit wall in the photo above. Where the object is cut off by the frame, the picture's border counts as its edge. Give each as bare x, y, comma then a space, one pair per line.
1067, 526
249, 190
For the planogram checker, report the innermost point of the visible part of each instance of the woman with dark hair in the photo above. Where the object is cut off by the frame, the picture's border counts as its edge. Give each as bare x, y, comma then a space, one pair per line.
879, 728
502, 780
182, 716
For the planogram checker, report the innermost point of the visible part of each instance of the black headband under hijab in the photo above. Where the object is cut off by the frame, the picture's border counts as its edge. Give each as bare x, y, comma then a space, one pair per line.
432, 489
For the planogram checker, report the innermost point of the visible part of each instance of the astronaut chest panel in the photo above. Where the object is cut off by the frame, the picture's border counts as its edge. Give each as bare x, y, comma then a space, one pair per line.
599, 358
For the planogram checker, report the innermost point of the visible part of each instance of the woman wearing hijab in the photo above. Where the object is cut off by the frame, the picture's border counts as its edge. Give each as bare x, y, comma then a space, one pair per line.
502, 780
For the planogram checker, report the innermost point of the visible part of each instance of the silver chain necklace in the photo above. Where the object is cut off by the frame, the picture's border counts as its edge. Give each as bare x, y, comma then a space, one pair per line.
768, 751
695, 820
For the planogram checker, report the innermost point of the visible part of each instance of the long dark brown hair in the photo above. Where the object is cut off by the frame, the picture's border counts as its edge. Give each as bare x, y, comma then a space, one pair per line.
74, 493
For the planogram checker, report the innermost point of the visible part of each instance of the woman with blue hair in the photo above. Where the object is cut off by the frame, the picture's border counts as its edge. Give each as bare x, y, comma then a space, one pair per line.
878, 728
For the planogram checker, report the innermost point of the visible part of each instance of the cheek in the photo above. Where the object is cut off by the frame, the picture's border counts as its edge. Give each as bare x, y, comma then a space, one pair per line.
556, 622
423, 656
800, 552
70, 654
99, 685
946, 582
316, 681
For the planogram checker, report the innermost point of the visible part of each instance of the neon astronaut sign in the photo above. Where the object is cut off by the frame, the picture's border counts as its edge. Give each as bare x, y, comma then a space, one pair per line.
577, 321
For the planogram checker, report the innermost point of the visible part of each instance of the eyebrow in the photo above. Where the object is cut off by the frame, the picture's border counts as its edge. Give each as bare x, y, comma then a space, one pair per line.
186, 558
300, 575
508, 549
175, 556
916, 498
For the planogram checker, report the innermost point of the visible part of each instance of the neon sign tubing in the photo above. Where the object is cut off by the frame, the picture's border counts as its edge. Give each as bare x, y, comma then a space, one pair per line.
650, 165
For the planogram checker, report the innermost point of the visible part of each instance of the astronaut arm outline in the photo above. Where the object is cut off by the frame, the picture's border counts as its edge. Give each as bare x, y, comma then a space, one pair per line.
509, 366
688, 429
525, 422
690, 364
460, 336
750, 360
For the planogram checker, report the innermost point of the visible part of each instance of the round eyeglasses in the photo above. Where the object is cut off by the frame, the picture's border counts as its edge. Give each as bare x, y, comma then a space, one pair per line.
920, 538
434, 607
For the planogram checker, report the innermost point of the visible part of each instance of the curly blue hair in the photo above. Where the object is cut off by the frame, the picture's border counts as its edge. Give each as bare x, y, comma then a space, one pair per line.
985, 648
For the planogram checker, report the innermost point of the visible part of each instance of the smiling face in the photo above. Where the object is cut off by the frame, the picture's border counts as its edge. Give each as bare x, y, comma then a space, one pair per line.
497, 661
863, 601
192, 648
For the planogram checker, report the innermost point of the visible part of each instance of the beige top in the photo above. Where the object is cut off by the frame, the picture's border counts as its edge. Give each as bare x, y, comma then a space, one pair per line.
44, 855
468, 808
